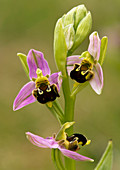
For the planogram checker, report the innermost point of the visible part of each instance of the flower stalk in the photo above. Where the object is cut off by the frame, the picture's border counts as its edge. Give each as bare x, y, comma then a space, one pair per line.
56, 157
57, 111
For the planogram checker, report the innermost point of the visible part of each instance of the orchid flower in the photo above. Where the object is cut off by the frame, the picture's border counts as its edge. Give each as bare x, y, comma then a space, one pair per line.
87, 67
43, 86
67, 145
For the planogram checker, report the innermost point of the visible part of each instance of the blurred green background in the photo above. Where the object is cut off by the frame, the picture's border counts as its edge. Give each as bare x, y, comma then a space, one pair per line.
30, 24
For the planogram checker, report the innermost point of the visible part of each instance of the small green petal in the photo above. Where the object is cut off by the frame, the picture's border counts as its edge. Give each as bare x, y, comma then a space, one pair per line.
86, 55
106, 160
23, 59
61, 135
103, 49
60, 47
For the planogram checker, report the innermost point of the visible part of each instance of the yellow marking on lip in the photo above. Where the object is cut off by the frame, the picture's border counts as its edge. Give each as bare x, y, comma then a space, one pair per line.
88, 142
80, 143
48, 89
84, 72
78, 69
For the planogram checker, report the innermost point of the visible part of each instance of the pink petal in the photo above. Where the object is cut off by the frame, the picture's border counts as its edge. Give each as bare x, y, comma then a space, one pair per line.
69, 69
24, 97
41, 142
35, 59
71, 61
56, 78
75, 155
94, 46
97, 81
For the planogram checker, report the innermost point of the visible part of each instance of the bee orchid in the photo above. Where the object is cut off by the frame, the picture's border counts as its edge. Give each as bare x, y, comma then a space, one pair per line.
87, 67
43, 86
67, 145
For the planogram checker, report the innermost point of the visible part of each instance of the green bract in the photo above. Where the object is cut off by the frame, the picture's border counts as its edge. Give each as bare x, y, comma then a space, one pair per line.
60, 47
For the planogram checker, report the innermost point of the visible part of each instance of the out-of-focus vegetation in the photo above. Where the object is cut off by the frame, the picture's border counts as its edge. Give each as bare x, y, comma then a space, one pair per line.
30, 24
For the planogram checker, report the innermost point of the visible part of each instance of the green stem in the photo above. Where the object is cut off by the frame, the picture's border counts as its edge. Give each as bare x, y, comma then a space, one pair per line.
54, 159
57, 159
69, 101
69, 116
69, 164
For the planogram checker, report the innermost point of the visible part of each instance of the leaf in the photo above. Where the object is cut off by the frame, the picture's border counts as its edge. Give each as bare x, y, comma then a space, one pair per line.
23, 59
60, 47
106, 161
103, 49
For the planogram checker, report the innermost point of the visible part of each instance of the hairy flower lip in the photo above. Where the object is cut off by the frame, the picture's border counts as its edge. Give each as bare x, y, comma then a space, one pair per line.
35, 59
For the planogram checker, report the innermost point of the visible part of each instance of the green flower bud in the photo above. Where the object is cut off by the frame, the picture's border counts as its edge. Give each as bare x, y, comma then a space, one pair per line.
70, 31
74, 22
68, 18
81, 12
82, 31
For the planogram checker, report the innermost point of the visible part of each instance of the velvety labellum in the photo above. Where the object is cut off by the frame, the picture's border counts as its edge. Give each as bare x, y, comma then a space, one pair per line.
79, 137
74, 140
82, 73
46, 93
